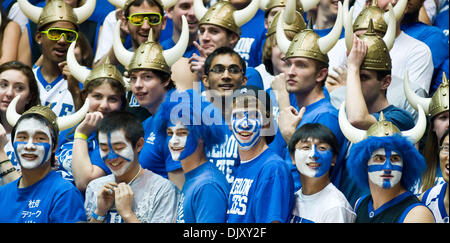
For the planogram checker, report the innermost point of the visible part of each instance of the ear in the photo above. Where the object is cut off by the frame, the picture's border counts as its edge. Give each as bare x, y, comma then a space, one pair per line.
233, 39
292, 158
38, 37
139, 144
163, 22
244, 81
205, 81
385, 82
333, 162
322, 75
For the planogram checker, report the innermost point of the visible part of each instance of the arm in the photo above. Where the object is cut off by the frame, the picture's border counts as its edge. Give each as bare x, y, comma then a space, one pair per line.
10, 42
6, 164
288, 120
355, 105
24, 50
279, 87
82, 168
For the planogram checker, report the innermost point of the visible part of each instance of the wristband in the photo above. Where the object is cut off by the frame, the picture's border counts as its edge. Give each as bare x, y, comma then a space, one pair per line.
98, 217
7, 171
80, 135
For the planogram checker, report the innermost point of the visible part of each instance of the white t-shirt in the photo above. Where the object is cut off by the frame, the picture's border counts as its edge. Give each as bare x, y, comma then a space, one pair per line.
326, 206
55, 93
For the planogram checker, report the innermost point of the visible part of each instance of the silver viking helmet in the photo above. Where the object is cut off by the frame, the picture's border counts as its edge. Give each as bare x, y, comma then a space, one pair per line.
57, 10
380, 128
62, 123
149, 54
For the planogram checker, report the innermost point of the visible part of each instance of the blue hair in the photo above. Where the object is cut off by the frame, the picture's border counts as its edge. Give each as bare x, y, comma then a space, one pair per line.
200, 117
360, 153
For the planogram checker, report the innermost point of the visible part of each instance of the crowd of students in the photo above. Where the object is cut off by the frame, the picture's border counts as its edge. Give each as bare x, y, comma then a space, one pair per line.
236, 111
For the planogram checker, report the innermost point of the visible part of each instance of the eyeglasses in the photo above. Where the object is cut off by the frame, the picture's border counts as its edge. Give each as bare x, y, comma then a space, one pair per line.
444, 149
138, 18
56, 33
219, 69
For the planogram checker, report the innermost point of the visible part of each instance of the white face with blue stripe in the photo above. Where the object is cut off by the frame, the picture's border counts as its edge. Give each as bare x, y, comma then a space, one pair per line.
246, 126
116, 151
385, 168
32, 143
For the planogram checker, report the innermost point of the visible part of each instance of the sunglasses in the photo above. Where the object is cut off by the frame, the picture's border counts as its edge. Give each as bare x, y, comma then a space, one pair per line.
138, 18
56, 33
219, 69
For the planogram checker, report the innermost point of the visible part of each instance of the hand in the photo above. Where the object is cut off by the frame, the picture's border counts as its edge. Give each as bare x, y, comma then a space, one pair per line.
105, 198
337, 79
88, 125
279, 83
197, 62
288, 120
357, 53
124, 200
120, 15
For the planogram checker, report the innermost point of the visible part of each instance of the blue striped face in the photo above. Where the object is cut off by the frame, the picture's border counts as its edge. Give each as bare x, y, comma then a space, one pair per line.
385, 168
246, 127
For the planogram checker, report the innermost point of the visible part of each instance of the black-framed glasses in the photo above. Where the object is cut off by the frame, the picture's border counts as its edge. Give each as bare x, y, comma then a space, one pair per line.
444, 149
219, 69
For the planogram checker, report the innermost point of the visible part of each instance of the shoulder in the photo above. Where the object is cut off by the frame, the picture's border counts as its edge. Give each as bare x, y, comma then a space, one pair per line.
419, 214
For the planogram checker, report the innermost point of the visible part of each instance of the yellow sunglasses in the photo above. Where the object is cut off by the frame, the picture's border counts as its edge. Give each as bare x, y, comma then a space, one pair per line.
138, 18
56, 34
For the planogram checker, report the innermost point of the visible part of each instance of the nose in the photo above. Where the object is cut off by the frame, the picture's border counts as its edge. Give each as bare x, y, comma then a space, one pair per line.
146, 24
387, 165
10, 92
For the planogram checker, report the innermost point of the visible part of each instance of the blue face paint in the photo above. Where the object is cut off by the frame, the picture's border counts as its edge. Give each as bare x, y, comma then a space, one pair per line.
246, 122
41, 150
385, 174
113, 155
303, 157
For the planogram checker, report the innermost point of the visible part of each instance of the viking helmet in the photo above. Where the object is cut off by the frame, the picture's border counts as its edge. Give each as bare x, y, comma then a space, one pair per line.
302, 5
124, 4
225, 15
380, 128
378, 16
84, 75
57, 10
307, 43
59, 123
150, 55
433, 106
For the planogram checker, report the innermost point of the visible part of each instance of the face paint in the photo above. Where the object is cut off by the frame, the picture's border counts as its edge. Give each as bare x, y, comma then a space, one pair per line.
32, 154
313, 162
181, 146
246, 127
112, 159
385, 168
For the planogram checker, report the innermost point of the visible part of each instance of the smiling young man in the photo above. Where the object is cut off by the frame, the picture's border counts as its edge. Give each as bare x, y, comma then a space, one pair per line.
130, 194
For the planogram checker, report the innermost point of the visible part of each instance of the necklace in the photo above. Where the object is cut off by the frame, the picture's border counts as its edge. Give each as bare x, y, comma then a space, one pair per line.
139, 171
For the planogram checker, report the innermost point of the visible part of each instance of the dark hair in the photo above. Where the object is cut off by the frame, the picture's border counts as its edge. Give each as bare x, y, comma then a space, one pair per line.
443, 137
160, 74
117, 120
116, 86
138, 3
54, 132
315, 131
32, 83
224, 50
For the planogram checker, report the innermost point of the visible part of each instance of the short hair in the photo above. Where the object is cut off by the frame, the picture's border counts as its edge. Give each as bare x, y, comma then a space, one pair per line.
224, 50
32, 83
161, 75
314, 131
138, 3
360, 153
117, 120
54, 133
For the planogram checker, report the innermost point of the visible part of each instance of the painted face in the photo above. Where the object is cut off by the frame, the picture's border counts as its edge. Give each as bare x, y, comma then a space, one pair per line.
385, 168
313, 160
246, 126
181, 143
32, 143
116, 151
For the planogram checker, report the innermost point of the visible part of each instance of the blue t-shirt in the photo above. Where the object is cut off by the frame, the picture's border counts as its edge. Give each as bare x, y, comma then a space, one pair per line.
253, 35
64, 153
50, 200
168, 43
262, 192
402, 119
205, 196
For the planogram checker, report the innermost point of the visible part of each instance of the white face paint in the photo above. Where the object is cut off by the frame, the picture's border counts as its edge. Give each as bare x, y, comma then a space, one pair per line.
117, 161
385, 168
177, 142
32, 143
302, 158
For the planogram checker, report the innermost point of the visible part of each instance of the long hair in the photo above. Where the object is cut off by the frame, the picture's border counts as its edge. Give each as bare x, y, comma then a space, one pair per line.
191, 110
360, 154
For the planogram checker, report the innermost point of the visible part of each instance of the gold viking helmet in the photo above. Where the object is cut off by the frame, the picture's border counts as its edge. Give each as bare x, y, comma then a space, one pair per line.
380, 128
225, 15
150, 55
433, 106
378, 16
59, 123
84, 75
124, 4
57, 10
307, 43
302, 5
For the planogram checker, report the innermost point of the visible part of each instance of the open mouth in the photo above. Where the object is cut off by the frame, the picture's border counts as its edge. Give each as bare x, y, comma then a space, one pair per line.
313, 165
176, 149
115, 164
245, 135
29, 156
60, 51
